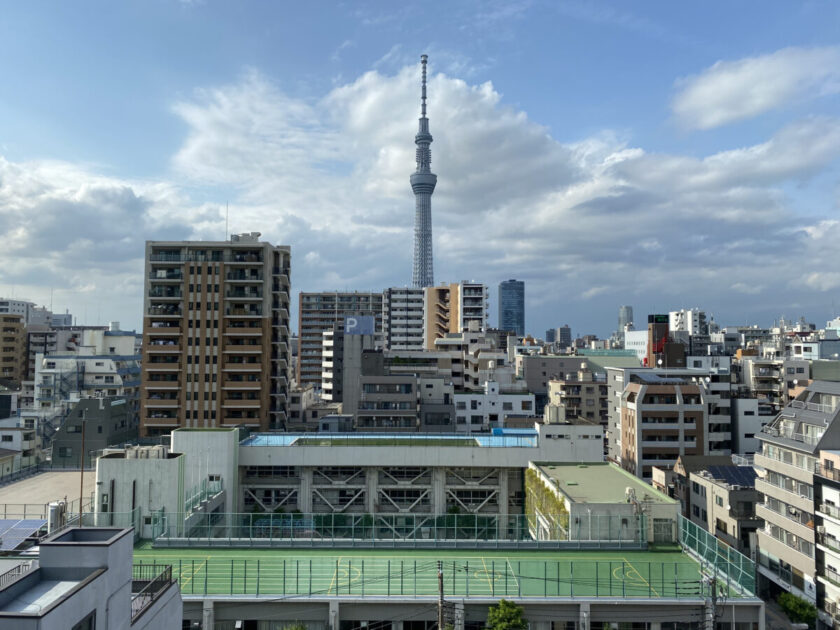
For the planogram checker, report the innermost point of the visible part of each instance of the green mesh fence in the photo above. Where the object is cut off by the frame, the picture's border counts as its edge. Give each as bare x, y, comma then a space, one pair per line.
718, 558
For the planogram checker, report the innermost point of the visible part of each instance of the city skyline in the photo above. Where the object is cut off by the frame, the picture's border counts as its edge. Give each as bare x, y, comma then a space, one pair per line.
719, 168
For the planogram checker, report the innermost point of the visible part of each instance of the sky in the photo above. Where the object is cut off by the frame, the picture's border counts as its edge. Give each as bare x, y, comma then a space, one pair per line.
662, 155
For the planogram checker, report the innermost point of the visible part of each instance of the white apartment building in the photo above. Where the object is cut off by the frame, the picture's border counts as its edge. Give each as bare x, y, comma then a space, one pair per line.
790, 447
690, 320
402, 318
9, 306
483, 411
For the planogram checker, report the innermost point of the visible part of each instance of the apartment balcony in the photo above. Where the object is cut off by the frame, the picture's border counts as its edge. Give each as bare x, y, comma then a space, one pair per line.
241, 258
829, 542
165, 328
242, 367
237, 311
168, 385
831, 511
170, 257
166, 293
242, 331
162, 403
242, 294
229, 383
161, 367
794, 526
240, 275
810, 440
242, 349
165, 310
166, 275
233, 403
798, 501
163, 347
162, 417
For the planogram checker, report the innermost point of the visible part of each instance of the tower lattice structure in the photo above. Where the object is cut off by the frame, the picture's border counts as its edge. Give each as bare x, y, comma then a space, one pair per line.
423, 183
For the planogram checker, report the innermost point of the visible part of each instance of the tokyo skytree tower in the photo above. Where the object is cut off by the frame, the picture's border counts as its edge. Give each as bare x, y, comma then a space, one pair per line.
423, 184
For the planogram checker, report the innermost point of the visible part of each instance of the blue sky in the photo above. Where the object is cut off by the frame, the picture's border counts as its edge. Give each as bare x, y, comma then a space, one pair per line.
663, 154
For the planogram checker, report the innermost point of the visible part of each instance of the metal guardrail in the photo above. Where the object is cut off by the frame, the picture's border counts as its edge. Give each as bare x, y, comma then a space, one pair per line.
14, 573
156, 578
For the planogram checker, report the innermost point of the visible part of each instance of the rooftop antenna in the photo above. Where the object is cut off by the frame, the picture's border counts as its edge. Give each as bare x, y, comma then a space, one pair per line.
423, 60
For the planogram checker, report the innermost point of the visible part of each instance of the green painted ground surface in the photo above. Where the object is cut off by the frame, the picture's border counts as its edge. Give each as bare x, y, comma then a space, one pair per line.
404, 572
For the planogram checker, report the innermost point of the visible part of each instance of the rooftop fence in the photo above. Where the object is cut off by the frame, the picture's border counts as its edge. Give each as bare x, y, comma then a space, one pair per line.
321, 576
483, 440
718, 557
405, 530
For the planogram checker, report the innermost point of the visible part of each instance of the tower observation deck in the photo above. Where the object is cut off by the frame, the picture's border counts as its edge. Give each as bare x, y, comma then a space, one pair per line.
423, 184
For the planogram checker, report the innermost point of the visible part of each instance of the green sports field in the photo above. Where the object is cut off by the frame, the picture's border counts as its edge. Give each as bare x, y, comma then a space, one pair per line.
290, 573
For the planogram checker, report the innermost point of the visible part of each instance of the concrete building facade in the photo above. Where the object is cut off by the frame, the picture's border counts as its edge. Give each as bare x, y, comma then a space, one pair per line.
402, 318
790, 447
215, 334
323, 311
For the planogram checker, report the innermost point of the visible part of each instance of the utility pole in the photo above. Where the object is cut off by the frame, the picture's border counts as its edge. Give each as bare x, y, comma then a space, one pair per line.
440, 595
82, 472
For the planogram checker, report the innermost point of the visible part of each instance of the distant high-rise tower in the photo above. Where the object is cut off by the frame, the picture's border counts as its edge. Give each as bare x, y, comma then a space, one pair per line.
512, 306
423, 184
625, 316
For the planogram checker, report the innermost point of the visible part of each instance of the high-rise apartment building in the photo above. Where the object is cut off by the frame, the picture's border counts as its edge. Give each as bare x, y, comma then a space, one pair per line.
215, 334
402, 318
690, 320
322, 311
450, 308
563, 336
13, 361
790, 453
512, 306
625, 316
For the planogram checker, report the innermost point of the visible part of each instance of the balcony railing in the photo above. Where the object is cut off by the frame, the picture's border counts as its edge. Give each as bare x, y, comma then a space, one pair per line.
829, 473
831, 510
148, 583
789, 434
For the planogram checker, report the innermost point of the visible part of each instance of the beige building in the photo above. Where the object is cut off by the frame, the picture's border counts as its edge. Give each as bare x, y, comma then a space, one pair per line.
215, 335
13, 360
577, 394
449, 308
723, 500
661, 419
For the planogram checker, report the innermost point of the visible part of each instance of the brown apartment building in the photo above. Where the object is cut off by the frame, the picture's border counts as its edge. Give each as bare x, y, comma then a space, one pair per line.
12, 348
215, 335
662, 418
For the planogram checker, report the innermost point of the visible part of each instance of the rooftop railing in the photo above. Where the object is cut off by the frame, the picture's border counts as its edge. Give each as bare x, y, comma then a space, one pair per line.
148, 583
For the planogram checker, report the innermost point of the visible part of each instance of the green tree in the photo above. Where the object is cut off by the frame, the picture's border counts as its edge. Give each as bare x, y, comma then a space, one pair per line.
797, 609
506, 616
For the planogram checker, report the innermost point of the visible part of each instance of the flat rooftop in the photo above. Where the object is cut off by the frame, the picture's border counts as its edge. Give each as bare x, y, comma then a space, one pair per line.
598, 482
45, 487
409, 573
521, 438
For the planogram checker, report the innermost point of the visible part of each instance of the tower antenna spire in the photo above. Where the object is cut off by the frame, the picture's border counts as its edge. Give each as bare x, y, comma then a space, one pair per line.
423, 60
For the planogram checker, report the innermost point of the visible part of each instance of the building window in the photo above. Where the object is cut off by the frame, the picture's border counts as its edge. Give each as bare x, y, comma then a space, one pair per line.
88, 623
65, 451
719, 500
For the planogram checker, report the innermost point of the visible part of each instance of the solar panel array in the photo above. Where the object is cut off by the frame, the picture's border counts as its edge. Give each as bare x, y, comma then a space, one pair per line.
14, 531
734, 475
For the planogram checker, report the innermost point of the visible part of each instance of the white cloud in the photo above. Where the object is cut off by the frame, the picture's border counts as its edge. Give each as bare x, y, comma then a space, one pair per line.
729, 91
